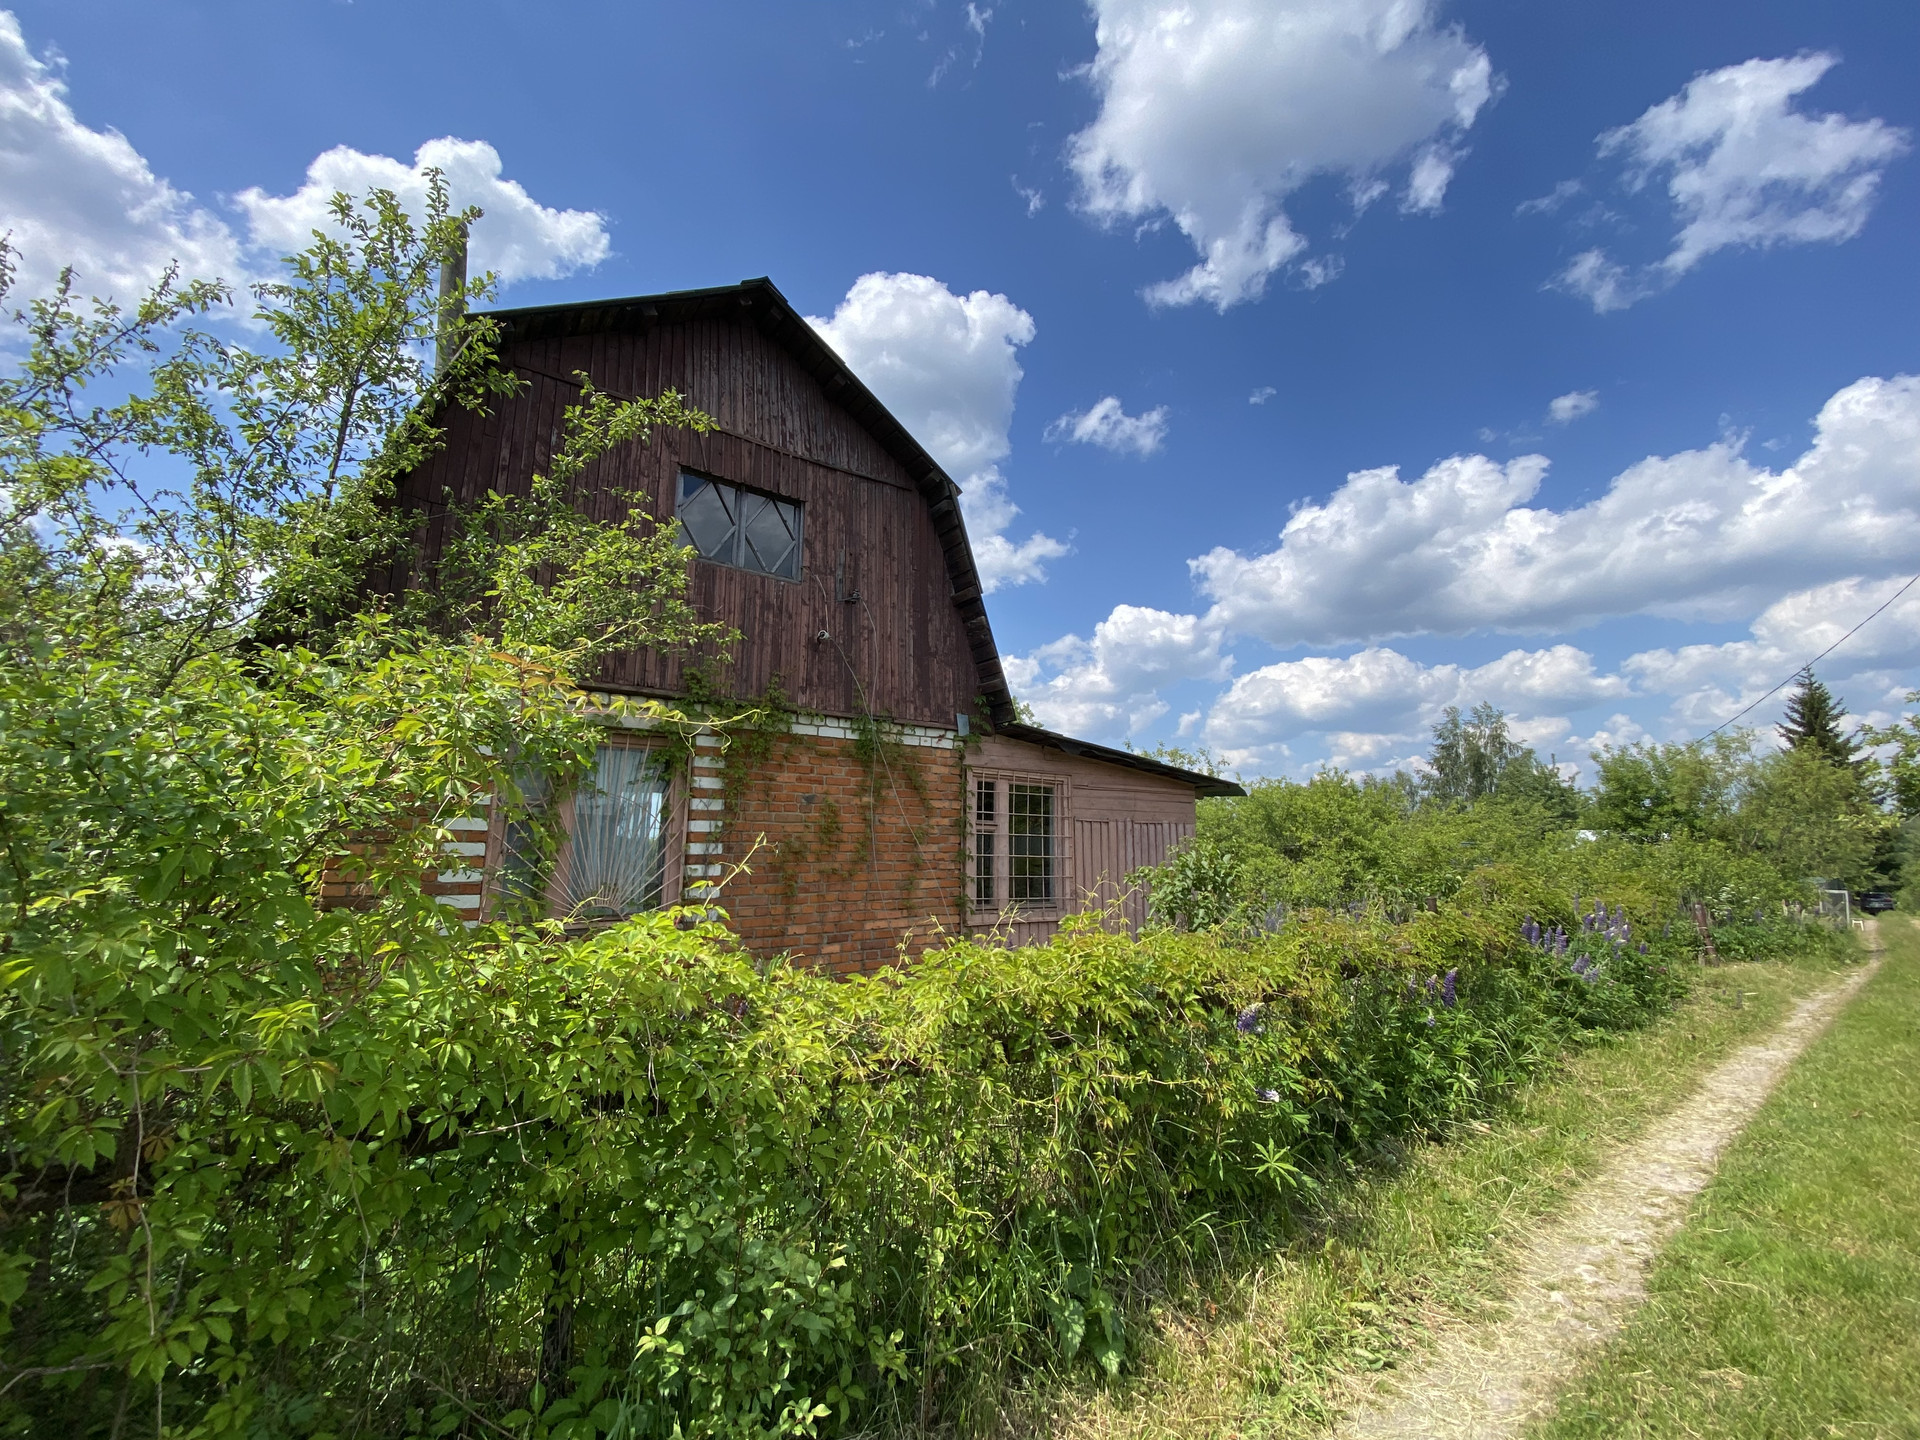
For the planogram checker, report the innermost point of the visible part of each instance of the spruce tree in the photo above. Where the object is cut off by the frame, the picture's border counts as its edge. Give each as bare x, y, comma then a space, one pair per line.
1813, 722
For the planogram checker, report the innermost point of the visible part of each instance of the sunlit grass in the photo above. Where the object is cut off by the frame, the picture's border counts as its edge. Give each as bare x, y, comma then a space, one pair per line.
1789, 1306
1276, 1344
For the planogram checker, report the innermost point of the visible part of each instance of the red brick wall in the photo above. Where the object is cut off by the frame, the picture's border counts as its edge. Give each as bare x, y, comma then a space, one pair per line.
848, 853
856, 853
459, 885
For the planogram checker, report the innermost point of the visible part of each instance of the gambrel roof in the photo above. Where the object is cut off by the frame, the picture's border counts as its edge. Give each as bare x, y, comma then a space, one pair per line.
762, 305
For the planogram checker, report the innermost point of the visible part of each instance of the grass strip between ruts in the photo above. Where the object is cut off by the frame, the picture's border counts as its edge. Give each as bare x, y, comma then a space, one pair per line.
1789, 1305
1278, 1344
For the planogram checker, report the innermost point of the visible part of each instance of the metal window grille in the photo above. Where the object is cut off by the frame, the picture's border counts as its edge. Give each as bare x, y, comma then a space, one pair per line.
739, 527
1030, 842
985, 834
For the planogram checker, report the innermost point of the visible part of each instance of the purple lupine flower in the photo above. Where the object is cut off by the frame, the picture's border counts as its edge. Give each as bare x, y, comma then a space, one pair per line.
1269, 1097
1446, 988
1560, 940
1433, 984
1247, 1022
1530, 930
1643, 947
1581, 964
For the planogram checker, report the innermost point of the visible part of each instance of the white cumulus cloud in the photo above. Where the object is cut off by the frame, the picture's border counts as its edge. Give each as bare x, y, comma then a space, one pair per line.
519, 238
1565, 409
1427, 184
1709, 683
1377, 700
1381, 693
1811, 549
86, 197
1700, 534
1213, 112
1106, 423
1108, 687
948, 367
1742, 168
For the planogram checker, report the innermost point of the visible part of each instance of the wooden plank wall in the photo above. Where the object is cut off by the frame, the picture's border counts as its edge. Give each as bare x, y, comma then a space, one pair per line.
900, 651
1105, 852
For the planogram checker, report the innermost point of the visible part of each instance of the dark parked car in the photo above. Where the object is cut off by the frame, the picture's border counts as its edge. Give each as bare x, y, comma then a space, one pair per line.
1874, 902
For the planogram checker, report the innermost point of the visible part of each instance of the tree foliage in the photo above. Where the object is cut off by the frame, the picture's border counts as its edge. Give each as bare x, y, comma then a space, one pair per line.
1813, 721
1899, 743
202, 698
1652, 791
1471, 754
1737, 828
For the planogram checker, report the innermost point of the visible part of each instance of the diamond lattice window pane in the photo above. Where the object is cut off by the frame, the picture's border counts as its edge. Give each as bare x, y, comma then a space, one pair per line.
707, 512
772, 537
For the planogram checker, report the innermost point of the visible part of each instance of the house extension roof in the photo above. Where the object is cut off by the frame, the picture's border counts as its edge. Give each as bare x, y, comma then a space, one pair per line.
1086, 749
761, 304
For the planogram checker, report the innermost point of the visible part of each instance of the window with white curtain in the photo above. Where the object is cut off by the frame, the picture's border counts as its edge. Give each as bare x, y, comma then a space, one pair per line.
611, 858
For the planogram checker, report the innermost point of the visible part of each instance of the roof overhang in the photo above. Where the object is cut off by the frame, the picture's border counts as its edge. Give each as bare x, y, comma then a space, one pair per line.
1204, 785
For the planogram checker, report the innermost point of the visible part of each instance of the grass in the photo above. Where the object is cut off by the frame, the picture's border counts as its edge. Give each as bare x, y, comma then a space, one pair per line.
1275, 1345
1789, 1305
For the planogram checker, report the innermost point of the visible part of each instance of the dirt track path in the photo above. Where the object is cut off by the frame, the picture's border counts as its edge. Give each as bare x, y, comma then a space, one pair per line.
1581, 1278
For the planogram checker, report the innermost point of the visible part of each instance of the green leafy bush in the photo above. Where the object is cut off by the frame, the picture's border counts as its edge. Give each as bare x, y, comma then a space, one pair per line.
636, 1185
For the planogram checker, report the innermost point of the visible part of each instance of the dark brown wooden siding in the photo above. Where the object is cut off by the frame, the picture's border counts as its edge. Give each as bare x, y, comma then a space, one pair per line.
901, 650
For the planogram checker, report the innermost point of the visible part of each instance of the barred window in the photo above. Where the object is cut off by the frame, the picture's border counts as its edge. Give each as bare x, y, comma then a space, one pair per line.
614, 863
741, 528
986, 832
1015, 858
1030, 843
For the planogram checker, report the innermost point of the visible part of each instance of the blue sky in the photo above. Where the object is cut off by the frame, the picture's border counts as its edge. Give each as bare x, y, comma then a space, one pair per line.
1154, 281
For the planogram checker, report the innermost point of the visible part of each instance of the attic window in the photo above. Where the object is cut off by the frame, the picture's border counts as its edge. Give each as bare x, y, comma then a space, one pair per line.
741, 528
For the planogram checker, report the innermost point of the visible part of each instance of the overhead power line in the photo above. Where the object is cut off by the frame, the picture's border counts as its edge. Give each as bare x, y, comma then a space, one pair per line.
1816, 659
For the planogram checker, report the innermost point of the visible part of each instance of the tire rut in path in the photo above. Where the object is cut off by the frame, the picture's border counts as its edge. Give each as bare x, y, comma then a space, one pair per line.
1577, 1282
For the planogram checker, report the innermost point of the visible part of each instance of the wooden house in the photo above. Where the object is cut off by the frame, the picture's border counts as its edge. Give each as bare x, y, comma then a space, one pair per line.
896, 798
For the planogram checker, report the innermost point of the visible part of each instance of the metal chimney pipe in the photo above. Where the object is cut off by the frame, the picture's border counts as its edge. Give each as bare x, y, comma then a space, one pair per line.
453, 304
